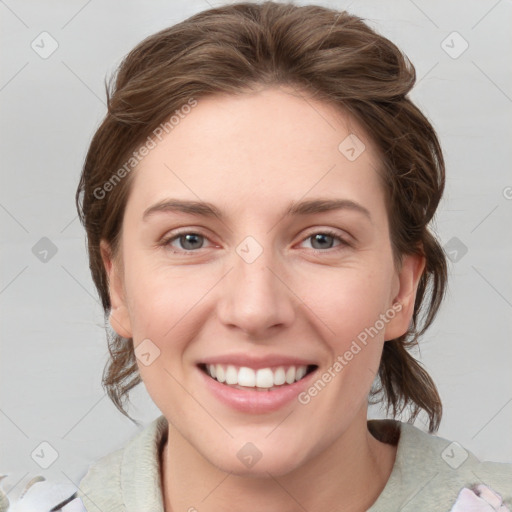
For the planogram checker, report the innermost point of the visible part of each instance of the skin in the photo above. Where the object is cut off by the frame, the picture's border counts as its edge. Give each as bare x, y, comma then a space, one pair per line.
251, 156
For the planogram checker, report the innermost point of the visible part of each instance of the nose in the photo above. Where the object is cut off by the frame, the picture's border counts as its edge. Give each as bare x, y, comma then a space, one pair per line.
256, 296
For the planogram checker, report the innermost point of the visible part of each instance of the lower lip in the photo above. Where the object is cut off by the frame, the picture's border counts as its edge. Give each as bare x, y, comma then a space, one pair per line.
256, 402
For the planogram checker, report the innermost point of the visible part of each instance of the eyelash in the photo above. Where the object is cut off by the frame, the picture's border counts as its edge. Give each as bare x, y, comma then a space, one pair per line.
175, 236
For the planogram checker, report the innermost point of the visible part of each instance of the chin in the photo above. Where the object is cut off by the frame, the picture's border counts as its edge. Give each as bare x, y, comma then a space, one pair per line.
250, 461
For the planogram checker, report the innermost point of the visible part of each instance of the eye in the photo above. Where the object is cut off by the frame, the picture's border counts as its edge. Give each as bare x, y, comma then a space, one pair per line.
188, 241
323, 240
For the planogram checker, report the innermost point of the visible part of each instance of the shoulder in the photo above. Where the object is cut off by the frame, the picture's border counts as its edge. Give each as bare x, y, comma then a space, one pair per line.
100, 489
112, 482
451, 459
430, 472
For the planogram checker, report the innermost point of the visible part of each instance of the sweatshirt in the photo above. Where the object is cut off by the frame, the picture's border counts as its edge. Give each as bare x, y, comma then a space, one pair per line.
430, 473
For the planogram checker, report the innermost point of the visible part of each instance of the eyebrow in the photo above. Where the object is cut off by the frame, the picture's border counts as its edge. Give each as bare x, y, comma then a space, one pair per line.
206, 209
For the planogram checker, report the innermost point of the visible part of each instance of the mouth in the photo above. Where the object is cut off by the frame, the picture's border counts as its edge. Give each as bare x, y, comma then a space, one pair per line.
261, 379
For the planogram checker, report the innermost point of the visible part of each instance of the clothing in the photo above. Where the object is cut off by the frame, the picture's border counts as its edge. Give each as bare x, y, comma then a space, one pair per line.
428, 474
40, 494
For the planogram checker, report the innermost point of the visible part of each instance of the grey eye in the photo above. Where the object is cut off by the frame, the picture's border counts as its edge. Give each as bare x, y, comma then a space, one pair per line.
191, 241
324, 241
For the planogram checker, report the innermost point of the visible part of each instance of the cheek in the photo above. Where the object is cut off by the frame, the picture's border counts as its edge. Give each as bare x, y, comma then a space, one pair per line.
348, 301
161, 298
351, 310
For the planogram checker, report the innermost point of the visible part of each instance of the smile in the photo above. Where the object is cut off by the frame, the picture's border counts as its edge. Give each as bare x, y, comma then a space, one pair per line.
262, 379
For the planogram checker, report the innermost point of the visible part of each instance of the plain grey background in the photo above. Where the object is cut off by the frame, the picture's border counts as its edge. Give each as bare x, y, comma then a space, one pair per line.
53, 344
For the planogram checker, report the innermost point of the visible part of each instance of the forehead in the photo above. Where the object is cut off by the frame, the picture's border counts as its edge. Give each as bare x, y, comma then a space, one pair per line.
276, 145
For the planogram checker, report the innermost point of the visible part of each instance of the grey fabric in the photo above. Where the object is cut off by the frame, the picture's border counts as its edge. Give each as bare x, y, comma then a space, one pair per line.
428, 473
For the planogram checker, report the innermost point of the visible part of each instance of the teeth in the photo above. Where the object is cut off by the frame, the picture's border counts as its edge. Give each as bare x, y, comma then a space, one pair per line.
231, 375
279, 376
290, 375
262, 378
246, 377
301, 371
220, 375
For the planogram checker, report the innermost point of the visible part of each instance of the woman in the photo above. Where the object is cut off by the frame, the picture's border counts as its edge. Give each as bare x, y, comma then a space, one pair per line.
257, 203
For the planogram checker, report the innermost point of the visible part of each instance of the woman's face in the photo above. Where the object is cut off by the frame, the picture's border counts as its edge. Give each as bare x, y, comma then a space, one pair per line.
255, 291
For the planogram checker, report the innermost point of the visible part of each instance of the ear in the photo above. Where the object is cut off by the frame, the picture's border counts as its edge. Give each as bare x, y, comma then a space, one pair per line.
403, 301
119, 316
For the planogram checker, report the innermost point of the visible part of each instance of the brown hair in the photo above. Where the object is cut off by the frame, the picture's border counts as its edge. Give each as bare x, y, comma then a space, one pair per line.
336, 58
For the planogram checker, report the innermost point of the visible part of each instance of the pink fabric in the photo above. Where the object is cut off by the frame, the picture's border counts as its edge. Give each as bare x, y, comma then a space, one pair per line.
479, 499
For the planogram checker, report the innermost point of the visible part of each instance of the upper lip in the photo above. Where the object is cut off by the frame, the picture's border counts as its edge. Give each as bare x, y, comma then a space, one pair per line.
257, 362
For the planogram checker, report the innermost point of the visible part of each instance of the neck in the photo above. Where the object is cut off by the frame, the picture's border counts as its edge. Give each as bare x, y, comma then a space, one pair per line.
346, 477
